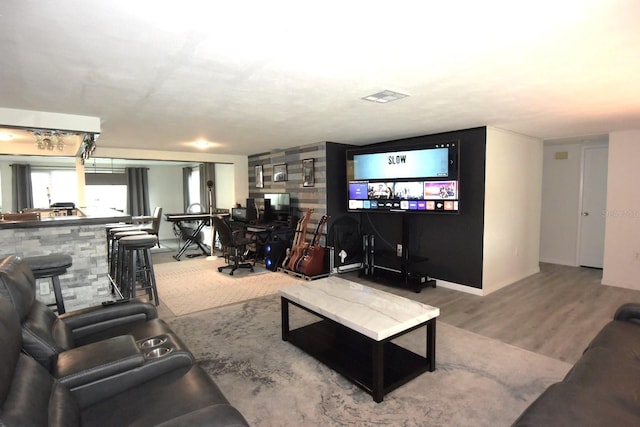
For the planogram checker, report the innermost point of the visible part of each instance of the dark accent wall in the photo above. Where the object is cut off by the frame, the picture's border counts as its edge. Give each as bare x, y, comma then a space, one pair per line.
453, 244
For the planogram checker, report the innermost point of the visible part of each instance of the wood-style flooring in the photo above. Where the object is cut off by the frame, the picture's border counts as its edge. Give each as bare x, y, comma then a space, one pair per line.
555, 312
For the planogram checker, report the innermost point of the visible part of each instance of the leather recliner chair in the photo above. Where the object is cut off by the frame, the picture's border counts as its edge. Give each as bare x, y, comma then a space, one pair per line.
45, 335
31, 396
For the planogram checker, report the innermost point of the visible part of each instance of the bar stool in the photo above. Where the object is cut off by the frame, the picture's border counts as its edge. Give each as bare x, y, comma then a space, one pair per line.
51, 266
108, 227
112, 247
135, 254
117, 257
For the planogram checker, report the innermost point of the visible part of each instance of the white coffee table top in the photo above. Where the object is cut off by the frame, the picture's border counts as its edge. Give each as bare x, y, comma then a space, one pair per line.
371, 312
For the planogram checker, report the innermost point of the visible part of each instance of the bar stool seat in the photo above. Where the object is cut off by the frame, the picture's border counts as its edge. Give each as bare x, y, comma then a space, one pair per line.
51, 266
135, 253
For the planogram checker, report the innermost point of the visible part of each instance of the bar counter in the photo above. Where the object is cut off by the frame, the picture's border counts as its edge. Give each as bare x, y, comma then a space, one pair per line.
82, 236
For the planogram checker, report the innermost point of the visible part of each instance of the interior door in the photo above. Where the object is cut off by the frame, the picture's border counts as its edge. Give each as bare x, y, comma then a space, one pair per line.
594, 203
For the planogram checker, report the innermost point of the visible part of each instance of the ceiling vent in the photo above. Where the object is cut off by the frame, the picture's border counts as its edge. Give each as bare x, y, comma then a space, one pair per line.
385, 96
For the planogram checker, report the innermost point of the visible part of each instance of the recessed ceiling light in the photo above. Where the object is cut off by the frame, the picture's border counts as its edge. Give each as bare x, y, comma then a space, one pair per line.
385, 96
203, 144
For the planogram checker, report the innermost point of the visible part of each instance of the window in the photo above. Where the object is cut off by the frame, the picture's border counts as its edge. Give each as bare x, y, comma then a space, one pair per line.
107, 196
106, 190
52, 186
194, 186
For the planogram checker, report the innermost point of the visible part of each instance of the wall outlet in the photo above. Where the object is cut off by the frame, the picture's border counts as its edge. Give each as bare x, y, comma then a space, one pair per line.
399, 249
44, 288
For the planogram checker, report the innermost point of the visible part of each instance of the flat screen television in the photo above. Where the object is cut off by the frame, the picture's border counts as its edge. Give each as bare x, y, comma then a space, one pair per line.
421, 178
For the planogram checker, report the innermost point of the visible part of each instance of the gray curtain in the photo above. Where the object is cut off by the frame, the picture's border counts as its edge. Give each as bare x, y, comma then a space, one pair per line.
208, 176
137, 191
186, 173
21, 187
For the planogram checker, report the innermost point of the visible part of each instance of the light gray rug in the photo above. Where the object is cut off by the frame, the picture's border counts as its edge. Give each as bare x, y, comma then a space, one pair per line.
195, 284
478, 381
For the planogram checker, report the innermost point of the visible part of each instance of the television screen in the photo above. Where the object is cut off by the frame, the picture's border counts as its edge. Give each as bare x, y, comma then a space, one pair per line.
421, 178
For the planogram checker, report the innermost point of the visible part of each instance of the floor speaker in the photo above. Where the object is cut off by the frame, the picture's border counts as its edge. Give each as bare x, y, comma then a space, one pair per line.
274, 253
275, 248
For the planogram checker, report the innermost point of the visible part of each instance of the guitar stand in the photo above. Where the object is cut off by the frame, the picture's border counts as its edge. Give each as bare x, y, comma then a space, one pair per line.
330, 250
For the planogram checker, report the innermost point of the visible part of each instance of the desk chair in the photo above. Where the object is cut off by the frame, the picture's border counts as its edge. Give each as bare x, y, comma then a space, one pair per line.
234, 246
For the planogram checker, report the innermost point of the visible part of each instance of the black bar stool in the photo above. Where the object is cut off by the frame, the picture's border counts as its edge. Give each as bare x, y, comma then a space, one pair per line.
117, 257
137, 266
112, 247
51, 266
108, 227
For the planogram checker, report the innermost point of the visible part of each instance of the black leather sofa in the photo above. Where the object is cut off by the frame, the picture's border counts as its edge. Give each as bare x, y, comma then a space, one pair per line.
603, 387
103, 366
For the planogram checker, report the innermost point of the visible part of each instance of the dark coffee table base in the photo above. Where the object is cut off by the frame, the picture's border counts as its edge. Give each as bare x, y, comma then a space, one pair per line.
378, 367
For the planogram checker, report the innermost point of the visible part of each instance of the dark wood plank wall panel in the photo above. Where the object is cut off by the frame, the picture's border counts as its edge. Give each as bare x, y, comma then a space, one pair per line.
302, 198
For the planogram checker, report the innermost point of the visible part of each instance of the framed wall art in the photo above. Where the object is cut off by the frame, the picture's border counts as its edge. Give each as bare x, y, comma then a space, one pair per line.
308, 177
280, 172
259, 177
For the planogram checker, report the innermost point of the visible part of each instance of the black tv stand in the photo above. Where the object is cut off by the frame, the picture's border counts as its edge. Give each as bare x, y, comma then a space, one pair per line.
399, 269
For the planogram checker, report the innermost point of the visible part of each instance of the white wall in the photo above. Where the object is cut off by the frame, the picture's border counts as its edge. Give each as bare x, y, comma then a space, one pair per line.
622, 235
513, 192
225, 181
560, 204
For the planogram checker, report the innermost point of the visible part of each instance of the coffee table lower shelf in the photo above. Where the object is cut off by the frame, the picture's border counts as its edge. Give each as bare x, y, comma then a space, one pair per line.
378, 367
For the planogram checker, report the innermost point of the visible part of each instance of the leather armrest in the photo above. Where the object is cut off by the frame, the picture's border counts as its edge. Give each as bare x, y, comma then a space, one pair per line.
128, 371
96, 361
629, 312
94, 319
223, 414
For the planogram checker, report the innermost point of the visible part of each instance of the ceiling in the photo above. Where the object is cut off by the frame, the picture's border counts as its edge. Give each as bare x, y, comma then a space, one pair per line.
255, 76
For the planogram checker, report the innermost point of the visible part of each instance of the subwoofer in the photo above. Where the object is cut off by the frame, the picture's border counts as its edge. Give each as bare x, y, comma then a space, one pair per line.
276, 248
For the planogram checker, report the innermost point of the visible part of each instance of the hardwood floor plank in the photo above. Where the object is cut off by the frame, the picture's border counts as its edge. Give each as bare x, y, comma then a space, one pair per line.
555, 312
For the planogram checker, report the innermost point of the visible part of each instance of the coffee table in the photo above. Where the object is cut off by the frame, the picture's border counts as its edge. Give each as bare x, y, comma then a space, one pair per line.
353, 329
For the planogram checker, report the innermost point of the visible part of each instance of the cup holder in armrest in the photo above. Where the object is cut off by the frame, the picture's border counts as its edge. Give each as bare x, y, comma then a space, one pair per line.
158, 352
152, 342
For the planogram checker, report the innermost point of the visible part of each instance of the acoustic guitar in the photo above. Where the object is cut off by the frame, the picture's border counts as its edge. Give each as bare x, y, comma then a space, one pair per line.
312, 262
299, 242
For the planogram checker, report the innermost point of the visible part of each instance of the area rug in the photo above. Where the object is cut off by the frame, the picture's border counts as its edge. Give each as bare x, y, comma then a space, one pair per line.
194, 285
478, 381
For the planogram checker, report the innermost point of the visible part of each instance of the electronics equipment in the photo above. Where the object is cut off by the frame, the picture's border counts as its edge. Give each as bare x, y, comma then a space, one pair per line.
239, 214
419, 178
277, 206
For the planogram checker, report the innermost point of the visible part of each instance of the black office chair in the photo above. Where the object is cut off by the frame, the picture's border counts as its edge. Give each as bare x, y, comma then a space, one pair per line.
234, 246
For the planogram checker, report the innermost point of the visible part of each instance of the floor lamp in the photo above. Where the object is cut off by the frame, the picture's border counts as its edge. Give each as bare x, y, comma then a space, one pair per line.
213, 232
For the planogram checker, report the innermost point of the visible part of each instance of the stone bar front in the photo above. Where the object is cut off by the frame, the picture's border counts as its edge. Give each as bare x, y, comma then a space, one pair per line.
82, 237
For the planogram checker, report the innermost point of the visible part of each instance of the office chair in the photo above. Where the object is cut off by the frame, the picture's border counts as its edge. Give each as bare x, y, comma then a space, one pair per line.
234, 246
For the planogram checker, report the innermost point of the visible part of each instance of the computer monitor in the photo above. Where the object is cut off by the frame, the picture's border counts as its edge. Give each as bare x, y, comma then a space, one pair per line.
239, 214
277, 206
